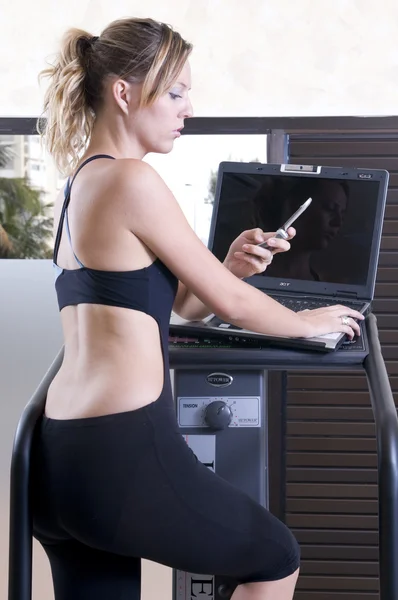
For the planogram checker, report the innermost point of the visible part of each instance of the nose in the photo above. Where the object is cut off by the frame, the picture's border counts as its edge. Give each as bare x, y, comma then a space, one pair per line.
187, 112
335, 220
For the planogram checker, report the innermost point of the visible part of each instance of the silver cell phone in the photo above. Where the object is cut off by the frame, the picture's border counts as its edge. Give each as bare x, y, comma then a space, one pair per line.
282, 231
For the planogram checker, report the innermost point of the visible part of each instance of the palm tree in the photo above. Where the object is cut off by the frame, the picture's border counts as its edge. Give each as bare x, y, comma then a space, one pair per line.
25, 222
5, 242
5, 155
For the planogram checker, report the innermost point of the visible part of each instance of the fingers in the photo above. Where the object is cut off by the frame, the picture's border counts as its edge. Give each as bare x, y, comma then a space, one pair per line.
353, 326
344, 311
331, 320
354, 314
256, 235
350, 332
274, 244
350, 326
257, 252
259, 263
291, 232
278, 245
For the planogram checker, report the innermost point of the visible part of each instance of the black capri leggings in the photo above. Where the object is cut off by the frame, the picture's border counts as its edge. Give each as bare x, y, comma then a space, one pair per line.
112, 489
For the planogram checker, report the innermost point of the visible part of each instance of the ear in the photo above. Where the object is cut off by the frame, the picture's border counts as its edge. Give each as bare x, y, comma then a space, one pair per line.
122, 94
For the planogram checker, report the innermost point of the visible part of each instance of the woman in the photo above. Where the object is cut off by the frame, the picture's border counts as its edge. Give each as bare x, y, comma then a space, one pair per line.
114, 481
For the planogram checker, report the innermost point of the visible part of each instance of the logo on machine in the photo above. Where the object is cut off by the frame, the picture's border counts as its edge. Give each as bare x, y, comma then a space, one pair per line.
365, 175
219, 379
284, 283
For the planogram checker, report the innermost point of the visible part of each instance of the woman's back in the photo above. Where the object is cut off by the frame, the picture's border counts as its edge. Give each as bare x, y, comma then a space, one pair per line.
112, 304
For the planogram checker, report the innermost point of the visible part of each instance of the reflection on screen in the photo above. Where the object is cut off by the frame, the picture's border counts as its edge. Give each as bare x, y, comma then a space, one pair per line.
334, 235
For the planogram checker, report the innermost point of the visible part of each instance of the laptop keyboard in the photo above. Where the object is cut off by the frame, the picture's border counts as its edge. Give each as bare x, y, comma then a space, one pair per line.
298, 304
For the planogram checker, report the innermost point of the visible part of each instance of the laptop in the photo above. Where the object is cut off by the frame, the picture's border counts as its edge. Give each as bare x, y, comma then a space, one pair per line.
333, 258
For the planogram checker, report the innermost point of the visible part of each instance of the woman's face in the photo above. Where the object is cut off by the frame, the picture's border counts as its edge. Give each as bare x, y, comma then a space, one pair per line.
157, 126
322, 221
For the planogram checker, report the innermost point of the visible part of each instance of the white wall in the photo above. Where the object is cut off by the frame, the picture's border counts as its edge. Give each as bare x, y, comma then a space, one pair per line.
256, 58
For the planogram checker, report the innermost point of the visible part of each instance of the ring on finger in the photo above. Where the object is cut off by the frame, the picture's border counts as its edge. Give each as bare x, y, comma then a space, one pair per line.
345, 320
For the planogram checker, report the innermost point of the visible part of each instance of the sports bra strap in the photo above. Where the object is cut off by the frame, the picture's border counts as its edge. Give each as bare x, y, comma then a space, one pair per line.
70, 238
65, 208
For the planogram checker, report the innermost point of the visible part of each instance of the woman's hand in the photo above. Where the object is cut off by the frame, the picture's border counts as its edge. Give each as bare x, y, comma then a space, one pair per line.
245, 258
332, 319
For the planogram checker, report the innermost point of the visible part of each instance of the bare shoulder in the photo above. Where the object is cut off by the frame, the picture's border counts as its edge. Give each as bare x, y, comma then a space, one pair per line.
134, 175
142, 194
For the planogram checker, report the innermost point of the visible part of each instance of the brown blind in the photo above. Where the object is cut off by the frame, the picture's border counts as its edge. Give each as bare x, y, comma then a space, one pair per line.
331, 463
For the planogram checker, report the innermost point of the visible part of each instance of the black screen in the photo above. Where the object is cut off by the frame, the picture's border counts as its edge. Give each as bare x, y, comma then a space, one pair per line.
334, 235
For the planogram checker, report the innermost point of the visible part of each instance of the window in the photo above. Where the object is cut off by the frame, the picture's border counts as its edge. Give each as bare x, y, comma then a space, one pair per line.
29, 183
190, 170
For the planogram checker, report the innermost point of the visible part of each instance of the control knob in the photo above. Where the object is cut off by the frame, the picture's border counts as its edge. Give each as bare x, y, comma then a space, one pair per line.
218, 415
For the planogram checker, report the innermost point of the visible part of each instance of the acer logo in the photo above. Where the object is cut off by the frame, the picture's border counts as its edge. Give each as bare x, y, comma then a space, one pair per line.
284, 283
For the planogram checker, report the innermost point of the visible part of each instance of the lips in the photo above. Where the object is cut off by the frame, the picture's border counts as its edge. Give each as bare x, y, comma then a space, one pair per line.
177, 132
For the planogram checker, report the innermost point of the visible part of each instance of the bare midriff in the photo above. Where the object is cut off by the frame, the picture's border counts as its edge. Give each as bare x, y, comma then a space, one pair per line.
113, 362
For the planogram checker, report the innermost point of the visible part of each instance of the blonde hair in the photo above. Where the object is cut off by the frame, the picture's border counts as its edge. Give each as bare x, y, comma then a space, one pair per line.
137, 50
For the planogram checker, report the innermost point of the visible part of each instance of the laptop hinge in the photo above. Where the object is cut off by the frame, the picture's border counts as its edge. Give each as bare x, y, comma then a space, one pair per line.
346, 294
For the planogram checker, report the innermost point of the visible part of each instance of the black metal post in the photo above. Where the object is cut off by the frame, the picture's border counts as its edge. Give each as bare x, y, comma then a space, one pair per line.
20, 536
386, 420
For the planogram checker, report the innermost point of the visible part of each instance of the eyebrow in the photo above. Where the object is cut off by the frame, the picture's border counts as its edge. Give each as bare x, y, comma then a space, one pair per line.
183, 85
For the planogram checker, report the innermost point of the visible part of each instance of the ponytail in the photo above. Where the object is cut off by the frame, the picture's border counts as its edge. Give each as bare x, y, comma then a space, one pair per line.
67, 120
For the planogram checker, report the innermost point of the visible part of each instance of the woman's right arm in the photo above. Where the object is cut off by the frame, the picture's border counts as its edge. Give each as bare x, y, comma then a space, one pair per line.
154, 216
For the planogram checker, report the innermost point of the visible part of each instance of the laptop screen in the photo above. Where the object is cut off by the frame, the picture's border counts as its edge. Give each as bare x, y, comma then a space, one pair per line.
334, 236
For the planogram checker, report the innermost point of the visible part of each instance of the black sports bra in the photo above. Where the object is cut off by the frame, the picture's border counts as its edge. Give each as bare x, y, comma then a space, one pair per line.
151, 290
